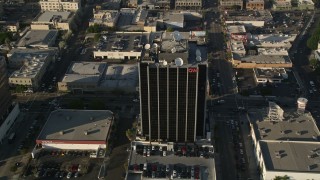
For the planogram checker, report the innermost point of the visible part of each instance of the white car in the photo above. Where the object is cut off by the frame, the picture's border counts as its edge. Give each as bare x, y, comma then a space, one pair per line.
164, 153
174, 174
192, 171
69, 175
135, 100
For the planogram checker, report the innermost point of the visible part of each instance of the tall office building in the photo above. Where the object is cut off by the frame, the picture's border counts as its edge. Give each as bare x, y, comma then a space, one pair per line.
172, 99
5, 96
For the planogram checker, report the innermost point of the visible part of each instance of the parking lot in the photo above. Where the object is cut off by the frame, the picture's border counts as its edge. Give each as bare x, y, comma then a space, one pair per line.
183, 161
62, 164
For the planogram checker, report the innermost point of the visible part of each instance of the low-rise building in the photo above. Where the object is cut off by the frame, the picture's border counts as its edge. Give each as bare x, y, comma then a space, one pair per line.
62, 20
237, 32
282, 5
255, 4
42, 39
34, 67
231, 4
248, 18
9, 26
261, 61
238, 48
272, 40
98, 77
108, 18
188, 4
273, 51
58, 5
123, 46
76, 129
305, 4
173, 20
269, 75
286, 143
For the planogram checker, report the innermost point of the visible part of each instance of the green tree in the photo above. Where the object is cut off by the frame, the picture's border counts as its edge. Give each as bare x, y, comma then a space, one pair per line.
94, 29
169, 29
97, 37
76, 104
4, 36
62, 44
314, 63
130, 133
312, 42
97, 105
285, 177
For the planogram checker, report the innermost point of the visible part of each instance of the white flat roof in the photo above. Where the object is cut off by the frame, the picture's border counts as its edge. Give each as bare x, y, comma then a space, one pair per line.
37, 38
266, 40
273, 51
47, 16
236, 29
71, 125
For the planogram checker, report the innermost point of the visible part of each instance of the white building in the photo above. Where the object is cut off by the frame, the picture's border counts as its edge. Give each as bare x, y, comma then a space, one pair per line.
272, 40
107, 18
59, 5
76, 129
273, 51
53, 20
238, 47
270, 75
9, 26
33, 67
285, 144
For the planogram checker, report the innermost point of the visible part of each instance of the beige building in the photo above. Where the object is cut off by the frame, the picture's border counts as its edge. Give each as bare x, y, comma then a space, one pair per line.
53, 20
261, 61
107, 18
255, 4
59, 5
41, 39
9, 26
34, 67
99, 76
229, 4
188, 4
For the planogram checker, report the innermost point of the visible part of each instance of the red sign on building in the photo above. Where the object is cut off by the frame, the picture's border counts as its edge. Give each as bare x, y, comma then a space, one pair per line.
192, 70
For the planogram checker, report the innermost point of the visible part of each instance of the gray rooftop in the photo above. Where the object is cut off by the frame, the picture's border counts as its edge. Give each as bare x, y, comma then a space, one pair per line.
267, 59
248, 16
74, 124
85, 72
48, 16
38, 38
291, 156
294, 127
269, 72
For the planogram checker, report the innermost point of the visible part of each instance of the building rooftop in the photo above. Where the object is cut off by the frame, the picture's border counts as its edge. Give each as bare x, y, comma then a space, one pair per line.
85, 72
253, 1
273, 51
124, 42
236, 29
262, 15
237, 46
104, 16
77, 125
50, 16
120, 75
173, 17
266, 59
38, 38
31, 65
291, 156
293, 126
305, 2
269, 72
272, 40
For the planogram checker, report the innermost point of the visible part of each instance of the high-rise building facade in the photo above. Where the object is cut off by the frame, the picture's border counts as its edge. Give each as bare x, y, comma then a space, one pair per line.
5, 96
172, 100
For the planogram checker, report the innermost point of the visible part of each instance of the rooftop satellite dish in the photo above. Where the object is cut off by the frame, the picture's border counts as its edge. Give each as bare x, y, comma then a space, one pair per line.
154, 45
178, 61
176, 36
173, 50
147, 46
164, 62
198, 58
198, 52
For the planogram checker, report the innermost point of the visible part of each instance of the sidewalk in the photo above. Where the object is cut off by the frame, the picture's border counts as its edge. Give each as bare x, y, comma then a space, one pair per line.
252, 165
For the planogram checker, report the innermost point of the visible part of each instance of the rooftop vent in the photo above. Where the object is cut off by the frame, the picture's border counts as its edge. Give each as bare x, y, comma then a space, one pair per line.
61, 132
298, 133
86, 133
312, 155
